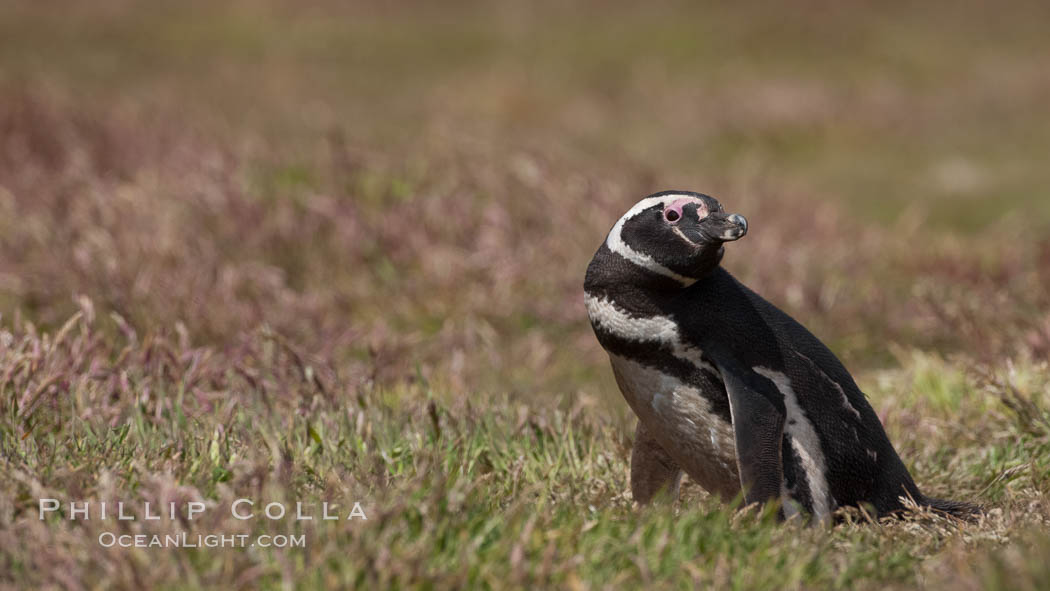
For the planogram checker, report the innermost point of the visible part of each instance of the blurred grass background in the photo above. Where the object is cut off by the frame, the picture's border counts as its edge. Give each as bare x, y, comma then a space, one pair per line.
336, 252
891, 110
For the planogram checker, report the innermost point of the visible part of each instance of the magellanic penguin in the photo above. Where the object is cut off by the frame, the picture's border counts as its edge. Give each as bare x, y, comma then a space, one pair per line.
728, 388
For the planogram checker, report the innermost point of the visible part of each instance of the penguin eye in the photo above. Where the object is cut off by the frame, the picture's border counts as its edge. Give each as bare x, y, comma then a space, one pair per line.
672, 215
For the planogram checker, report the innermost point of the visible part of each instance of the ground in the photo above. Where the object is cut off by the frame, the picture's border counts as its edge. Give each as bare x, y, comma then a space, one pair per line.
335, 254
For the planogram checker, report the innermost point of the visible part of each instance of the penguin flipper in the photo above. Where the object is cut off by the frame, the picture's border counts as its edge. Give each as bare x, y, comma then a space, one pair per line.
758, 427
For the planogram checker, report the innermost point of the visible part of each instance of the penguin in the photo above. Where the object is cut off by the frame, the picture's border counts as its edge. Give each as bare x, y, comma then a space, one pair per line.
728, 388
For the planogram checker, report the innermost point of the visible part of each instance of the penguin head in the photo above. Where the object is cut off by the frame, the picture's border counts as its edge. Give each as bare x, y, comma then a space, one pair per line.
679, 234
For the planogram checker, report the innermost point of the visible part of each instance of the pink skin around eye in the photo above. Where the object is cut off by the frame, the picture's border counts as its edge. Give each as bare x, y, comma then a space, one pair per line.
677, 205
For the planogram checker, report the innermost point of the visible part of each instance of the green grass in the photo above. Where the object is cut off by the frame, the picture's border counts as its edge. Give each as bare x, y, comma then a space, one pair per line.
335, 254
460, 494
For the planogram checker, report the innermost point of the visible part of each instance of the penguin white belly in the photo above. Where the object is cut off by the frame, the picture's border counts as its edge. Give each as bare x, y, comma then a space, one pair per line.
681, 420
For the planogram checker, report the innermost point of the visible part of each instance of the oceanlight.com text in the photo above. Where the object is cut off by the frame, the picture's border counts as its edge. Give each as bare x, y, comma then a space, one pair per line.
186, 540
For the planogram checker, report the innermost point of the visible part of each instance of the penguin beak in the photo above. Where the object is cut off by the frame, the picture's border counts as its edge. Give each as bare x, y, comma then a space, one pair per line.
725, 228
735, 227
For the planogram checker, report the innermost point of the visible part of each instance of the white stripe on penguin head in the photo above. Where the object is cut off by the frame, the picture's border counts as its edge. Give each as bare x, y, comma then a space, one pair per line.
616, 244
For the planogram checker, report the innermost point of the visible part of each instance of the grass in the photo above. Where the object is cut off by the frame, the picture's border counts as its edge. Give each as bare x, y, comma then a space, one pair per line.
459, 492
336, 255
